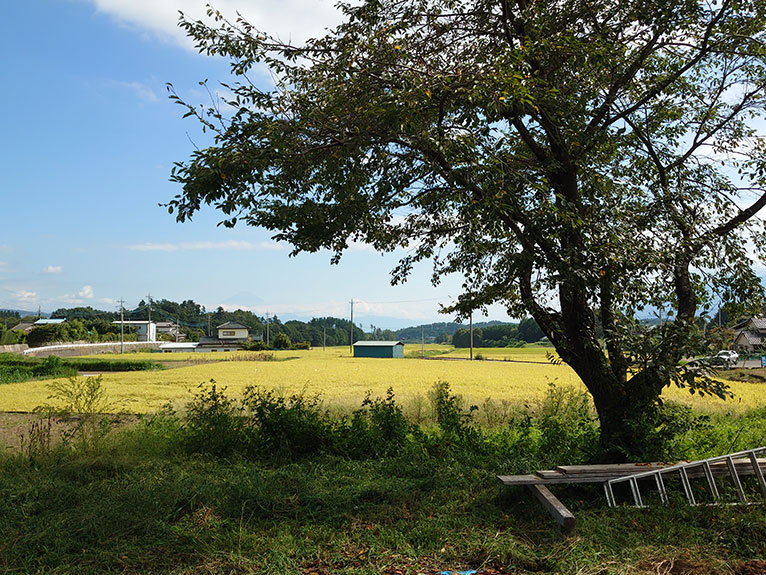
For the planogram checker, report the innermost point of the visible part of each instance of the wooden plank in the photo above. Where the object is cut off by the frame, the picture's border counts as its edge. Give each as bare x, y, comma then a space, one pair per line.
548, 473
610, 468
555, 507
744, 467
560, 480
519, 479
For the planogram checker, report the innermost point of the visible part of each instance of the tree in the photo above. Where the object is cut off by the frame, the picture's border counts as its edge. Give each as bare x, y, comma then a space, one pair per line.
282, 341
529, 331
576, 161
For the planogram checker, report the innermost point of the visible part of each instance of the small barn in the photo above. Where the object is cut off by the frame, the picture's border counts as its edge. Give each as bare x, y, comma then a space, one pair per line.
379, 349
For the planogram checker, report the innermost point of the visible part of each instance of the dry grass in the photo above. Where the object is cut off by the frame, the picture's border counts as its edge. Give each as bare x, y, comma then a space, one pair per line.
344, 381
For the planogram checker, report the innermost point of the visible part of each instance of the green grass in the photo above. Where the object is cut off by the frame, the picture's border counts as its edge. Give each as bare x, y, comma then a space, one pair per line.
146, 500
125, 511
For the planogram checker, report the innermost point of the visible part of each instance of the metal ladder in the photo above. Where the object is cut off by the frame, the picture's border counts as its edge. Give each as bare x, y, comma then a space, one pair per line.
683, 468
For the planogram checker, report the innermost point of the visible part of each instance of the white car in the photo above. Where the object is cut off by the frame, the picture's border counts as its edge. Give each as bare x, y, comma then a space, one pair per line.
727, 356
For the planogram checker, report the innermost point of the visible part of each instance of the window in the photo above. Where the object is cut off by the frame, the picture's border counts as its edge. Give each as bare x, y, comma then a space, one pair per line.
229, 333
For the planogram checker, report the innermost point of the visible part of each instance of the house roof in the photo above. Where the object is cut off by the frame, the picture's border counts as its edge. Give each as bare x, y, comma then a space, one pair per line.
377, 343
232, 325
43, 321
751, 338
758, 323
23, 326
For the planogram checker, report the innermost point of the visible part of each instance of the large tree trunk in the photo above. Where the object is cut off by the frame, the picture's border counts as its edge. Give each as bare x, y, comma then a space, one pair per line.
627, 414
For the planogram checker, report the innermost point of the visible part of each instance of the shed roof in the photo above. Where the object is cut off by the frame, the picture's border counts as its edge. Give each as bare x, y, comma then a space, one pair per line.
43, 321
377, 343
232, 325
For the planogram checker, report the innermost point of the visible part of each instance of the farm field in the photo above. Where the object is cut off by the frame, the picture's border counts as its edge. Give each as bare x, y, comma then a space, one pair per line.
524, 374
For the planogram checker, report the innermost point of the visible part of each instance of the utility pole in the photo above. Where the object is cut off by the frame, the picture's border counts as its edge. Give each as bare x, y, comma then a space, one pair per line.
149, 298
324, 337
122, 326
351, 339
208, 323
422, 342
267, 330
471, 330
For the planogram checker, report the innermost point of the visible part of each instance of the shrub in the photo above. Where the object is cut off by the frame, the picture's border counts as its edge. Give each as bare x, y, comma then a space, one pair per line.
285, 426
378, 428
448, 409
282, 341
568, 426
82, 404
53, 366
213, 422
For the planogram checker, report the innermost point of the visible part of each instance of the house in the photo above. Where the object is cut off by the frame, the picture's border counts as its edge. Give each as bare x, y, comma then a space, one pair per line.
232, 331
379, 349
231, 336
750, 335
145, 330
172, 329
25, 326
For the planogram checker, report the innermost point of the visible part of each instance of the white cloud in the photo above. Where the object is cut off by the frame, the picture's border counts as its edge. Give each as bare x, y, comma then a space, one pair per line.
294, 20
24, 296
86, 292
53, 270
196, 246
143, 92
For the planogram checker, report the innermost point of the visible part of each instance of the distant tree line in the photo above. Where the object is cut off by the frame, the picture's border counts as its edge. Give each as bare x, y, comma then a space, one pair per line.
92, 325
502, 335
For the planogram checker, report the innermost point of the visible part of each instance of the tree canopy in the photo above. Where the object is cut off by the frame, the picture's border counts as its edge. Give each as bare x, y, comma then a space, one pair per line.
577, 161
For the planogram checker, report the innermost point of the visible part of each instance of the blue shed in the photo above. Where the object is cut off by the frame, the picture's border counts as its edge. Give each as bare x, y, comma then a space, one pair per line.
379, 349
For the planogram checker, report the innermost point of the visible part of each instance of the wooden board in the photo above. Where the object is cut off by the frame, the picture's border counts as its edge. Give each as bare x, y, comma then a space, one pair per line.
555, 507
610, 468
601, 473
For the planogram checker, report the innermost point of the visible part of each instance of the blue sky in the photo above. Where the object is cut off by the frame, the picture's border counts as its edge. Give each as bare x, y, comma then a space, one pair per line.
89, 137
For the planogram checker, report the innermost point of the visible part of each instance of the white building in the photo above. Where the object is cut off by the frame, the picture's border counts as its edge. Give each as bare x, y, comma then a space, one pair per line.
145, 330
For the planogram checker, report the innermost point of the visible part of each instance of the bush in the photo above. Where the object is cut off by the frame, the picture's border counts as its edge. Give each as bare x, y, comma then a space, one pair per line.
282, 341
53, 366
293, 426
452, 419
378, 428
81, 403
95, 364
213, 422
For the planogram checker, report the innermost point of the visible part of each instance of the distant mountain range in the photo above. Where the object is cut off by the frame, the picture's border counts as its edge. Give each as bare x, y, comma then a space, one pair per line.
23, 312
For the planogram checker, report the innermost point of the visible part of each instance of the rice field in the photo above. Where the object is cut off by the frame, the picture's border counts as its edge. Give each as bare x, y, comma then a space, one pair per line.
521, 375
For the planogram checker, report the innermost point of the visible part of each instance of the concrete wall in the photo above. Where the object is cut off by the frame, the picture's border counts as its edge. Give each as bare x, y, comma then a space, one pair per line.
15, 348
73, 349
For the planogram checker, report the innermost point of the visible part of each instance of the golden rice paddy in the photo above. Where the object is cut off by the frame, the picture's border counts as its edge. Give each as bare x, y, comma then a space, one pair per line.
520, 375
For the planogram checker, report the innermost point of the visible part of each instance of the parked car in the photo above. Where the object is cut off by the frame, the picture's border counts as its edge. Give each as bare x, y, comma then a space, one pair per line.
726, 357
